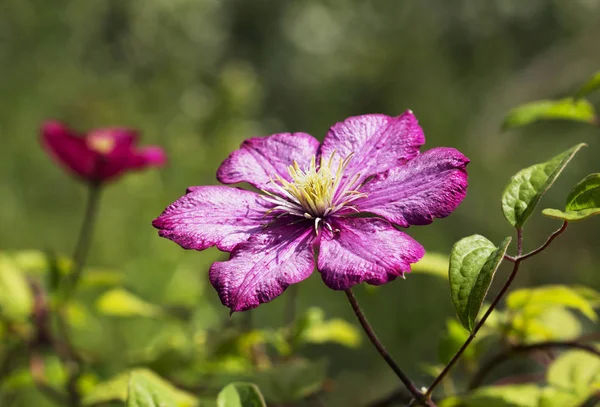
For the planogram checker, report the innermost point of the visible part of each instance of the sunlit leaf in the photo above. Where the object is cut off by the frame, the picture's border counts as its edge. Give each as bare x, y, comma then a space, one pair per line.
117, 389
579, 110
121, 303
240, 394
577, 371
312, 327
522, 395
16, 299
143, 393
432, 263
590, 86
557, 397
527, 187
582, 202
533, 301
553, 323
473, 262
591, 295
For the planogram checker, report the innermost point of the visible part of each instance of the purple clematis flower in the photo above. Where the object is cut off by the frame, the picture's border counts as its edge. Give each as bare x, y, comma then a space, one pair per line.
100, 155
340, 199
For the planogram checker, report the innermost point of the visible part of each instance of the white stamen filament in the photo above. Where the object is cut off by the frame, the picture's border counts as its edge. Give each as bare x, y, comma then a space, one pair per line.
314, 192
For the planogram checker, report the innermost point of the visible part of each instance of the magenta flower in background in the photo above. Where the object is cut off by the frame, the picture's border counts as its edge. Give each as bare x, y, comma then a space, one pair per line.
311, 195
100, 155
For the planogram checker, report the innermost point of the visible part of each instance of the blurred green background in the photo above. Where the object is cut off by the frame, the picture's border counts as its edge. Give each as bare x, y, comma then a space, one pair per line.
199, 76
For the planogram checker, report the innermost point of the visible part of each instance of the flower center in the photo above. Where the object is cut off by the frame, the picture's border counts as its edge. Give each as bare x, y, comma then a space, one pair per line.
314, 192
101, 143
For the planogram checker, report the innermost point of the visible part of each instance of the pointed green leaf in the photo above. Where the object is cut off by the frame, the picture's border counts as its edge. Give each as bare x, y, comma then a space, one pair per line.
590, 86
473, 262
579, 110
142, 393
582, 202
118, 389
527, 187
534, 301
122, 303
240, 394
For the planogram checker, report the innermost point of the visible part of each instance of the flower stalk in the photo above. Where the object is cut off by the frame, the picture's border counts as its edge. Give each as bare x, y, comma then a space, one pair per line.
418, 395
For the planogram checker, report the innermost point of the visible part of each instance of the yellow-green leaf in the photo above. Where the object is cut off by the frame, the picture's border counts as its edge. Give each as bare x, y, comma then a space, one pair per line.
590, 86
533, 301
122, 303
432, 263
16, 299
577, 371
579, 110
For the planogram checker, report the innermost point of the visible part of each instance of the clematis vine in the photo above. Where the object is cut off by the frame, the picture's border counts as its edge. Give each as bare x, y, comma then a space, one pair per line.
100, 155
338, 201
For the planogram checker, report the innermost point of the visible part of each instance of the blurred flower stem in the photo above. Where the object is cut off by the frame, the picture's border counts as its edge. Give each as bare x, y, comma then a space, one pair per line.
418, 395
74, 363
84, 240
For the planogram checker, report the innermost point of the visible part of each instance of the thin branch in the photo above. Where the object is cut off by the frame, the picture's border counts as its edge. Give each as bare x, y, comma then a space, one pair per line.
384, 353
524, 349
546, 244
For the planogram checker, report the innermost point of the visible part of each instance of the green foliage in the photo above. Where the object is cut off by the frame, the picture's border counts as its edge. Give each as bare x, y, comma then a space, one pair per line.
579, 110
527, 187
312, 327
473, 262
533, 301
524, 395
582, 202
139, 386
143, 393
590, 86
16, 299
240, 394
121, 303
576, 372
432, 263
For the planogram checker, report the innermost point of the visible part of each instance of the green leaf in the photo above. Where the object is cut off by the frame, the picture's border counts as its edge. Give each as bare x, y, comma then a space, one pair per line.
432, 263
118, 388
590, 86
473, 262
142, 393
554, 323
240, 394
312, 327
534, 301
576, 371
16, 299
527, 187
579, 110
522, 395
122, 303
582, 202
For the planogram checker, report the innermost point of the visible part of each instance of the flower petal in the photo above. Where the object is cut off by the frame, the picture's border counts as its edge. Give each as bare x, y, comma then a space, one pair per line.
68, 148
212, 216
367, 250
429, 186
151, 156
378, 142
115, 147
261, 269
261, 158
